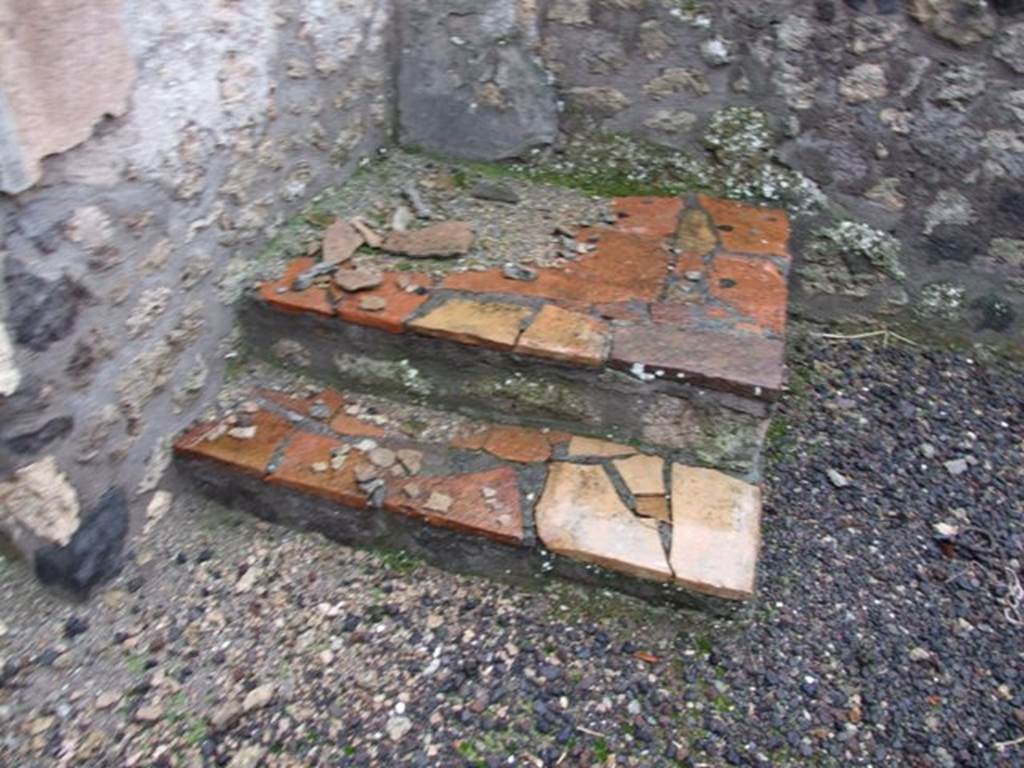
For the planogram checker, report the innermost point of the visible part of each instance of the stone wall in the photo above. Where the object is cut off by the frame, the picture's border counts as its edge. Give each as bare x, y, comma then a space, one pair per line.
147, 149
906, 117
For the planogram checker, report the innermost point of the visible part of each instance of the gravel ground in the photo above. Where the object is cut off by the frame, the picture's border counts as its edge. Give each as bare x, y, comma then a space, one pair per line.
884, 633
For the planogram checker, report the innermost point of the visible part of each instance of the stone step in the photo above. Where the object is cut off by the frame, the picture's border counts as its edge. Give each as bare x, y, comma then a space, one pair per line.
664, 325
483, 497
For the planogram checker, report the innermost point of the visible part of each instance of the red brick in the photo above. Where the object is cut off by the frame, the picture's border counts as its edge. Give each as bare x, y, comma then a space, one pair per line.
296, 470
623, 268
731, 362
753, 286
499, 517
353, 426
310, 300
648, 216
749, 229
251, 456
400, 303
331, 399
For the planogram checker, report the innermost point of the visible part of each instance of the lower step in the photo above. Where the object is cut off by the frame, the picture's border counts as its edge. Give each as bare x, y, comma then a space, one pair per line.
486, 498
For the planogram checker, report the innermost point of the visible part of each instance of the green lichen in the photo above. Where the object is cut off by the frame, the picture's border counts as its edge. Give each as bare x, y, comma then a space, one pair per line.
850, 258
386, 375
554, 398
942, 301
739, 134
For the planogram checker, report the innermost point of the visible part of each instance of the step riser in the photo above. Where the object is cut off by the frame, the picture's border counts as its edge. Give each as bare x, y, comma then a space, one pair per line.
697, 425
370, 528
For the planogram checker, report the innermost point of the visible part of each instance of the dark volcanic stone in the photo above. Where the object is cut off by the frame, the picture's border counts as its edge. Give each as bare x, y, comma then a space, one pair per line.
94, 552
35, 440
41, 311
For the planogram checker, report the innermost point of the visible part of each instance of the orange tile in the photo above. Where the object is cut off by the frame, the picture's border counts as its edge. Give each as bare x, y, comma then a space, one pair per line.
487, 323
250, 456
623, 268
471, 439
749, 229
400, 303
647, 216
753, 286
634, 311
482, 503
310, 300
353, 426
570, 337
517, 444
296, 470
331, 399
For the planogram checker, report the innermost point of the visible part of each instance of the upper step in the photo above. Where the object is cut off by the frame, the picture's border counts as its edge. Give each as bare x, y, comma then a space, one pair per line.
689, 292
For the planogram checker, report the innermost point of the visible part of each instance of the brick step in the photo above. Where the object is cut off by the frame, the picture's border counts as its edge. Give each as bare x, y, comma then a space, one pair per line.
483, 497
666, 327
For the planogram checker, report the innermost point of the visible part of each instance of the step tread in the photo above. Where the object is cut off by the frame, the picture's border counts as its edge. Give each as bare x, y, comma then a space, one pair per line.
693, 290
580, 496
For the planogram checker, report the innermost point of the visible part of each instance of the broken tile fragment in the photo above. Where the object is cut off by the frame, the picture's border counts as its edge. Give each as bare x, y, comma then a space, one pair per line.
449, 238
716, 531
488, 323
580, 515
643, 475
340, 241
592, 447
373, 303
359, 279
438, 502
571, 337
411, 460
382, 457
370, 236
344, 424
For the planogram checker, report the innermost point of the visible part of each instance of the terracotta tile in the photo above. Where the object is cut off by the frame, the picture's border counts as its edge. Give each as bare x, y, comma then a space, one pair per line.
643, 475
353, 426
570, 337
716, 531
330, 400
310, 300
696, 235
753, 286
653, 506
580, 515
672, 313
401, 304
483, 503
623, 268
295, 470
749, 229
511, 443
591, 447
634, 311
471, 439
250, 456
447, 238
517, 444
648, 216
731, 362
488, 323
